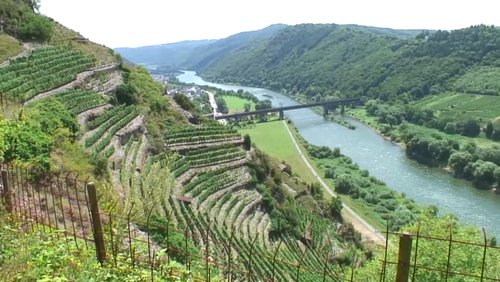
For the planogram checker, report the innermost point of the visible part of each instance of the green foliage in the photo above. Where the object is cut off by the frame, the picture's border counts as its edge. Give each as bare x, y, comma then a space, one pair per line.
125, 95
9, 47
263, 104
335, 207
43, 70
433, 253
147, 94
382, 202
184, 102
35, 27
50, 114
27, 143
458, 161
221, 105
48, 256
164, 233
247, 142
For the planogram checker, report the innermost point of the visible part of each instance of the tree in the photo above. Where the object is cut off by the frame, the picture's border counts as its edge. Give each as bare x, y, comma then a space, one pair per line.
345, 184
488, 130
483, 172
184, 102
247, 107
335, 208
125, 94
247, 142
35, 27
264, 104
458, 161
496, 175
471, 128
221, 105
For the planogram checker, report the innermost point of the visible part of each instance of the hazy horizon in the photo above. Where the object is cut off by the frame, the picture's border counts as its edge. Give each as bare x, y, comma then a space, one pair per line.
152, 22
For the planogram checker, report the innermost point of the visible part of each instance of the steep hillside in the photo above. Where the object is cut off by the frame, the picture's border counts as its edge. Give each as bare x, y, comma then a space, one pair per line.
76, 109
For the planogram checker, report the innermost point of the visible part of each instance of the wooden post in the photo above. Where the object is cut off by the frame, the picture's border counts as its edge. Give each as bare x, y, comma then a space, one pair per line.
96, 223
7, 194
403, 271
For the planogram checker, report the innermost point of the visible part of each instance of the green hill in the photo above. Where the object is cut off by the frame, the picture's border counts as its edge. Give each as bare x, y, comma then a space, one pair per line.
317, 60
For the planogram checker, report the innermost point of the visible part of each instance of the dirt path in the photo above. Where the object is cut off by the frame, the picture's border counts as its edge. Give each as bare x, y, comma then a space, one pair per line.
368, 232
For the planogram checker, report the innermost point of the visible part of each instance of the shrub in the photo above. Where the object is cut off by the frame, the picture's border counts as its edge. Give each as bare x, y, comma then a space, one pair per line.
35, 27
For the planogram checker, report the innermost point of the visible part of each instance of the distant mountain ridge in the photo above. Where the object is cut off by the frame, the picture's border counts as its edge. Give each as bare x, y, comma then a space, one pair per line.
195, 53
320, 60
198, 54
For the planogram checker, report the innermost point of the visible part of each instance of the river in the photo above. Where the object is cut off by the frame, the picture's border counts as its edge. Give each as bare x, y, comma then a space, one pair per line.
386, 161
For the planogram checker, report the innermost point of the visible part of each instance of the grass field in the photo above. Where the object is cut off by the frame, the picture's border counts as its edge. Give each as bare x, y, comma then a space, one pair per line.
8, 47
237, 104
272, 138
462, 106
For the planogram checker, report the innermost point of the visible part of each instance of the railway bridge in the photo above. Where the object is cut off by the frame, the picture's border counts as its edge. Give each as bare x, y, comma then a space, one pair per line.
327, 106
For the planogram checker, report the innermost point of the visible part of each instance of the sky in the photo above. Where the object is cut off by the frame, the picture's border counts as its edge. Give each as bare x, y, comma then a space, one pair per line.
133, 23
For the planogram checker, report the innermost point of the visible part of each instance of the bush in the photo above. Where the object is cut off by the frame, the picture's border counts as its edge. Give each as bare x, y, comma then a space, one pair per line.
184, 102
35, 27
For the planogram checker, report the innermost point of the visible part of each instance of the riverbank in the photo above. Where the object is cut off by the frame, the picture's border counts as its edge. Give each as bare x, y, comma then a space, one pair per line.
456, 145
280, 140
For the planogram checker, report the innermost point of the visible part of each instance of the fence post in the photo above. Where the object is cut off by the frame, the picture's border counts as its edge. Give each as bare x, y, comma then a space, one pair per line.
96, 223
7, 194
404, 255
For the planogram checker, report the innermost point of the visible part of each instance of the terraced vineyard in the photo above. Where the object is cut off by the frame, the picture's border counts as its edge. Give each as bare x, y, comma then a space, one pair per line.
218, 202
203, 179
78, 101
213, 155
107, 125
192, 137
43, 70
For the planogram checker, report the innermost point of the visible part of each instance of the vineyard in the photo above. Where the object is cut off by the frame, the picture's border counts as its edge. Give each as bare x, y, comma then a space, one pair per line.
185, 138
78, 101
201, 180
210, 191
43, 70
106, 126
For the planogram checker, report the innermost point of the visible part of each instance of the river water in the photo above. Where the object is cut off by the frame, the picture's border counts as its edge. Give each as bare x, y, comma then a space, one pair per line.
386, 161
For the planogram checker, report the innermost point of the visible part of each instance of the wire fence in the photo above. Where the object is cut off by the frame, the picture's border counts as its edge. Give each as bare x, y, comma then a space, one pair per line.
63, 202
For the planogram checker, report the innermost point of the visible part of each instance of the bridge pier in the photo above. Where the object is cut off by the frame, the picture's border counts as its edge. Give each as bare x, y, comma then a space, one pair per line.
325, 110
282, 115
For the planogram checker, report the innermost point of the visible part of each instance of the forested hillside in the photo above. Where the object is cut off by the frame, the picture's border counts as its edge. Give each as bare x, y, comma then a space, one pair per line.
318, 60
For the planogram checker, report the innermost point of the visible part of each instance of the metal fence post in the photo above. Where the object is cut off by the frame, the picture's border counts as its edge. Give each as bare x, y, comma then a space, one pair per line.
7, 194
404, 255
96, 223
